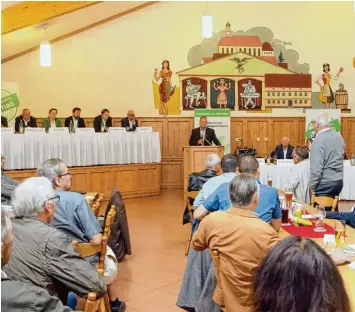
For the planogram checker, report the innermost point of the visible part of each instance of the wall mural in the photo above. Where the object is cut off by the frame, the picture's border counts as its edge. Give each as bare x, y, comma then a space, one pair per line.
194, 93
222, 93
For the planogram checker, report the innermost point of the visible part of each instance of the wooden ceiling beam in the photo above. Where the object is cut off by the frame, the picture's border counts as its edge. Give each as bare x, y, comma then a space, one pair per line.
80, 30
30, 13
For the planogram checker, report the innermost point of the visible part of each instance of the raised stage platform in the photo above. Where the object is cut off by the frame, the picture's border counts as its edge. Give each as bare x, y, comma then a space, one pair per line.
133, 181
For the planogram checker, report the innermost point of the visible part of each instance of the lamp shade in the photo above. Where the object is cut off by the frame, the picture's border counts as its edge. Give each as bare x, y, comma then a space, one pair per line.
207, 26
45, 53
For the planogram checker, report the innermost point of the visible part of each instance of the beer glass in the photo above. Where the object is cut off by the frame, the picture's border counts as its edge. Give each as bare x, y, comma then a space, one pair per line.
320, 216
339, 234
288, 197
269, 179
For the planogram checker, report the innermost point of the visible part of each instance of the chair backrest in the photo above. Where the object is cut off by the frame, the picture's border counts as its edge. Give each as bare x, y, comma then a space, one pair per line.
217, 266
325, 201
190, 197
91, 304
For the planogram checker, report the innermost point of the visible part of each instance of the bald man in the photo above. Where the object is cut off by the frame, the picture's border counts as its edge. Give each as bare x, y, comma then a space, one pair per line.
130, 122
284, 150
27, 120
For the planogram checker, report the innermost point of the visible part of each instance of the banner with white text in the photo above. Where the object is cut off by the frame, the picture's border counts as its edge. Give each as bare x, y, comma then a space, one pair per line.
312, 114
219, 120
9, 101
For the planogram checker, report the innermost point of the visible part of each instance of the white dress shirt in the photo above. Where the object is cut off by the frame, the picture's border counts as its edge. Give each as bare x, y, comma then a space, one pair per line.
298, 180
285, 153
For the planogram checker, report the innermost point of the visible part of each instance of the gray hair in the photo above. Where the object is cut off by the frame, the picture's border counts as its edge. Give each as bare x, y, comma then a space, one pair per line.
212, 160
51, 169
29, 197
5, 223
323, 120
242, 190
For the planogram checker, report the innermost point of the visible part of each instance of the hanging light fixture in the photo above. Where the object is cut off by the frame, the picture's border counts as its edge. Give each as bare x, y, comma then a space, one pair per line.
45, 51
207, 26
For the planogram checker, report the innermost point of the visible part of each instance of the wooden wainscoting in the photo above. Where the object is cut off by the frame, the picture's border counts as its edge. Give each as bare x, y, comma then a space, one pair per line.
132, 180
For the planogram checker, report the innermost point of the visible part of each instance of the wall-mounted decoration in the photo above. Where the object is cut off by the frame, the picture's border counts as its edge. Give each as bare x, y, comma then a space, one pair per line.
342, 99
250, 94
194, 93
222, 93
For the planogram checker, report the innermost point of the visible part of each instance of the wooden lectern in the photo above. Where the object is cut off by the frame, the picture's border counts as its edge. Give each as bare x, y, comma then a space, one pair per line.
194, 159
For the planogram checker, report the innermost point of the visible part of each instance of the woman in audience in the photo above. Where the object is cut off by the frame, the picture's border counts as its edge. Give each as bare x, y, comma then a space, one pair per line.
298, 276
51, 121
298, 177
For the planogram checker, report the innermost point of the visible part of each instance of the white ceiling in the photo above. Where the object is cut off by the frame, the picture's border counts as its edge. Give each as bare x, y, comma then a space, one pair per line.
29, 37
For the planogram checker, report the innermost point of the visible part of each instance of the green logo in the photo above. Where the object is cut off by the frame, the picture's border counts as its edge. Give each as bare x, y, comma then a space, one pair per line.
334, 124
9, 104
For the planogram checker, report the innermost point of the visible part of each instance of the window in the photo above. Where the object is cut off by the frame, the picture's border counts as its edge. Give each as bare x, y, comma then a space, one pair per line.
245, 50
268, 94
222, 50
258, 52
273, 101
268, 101
305, 102
295, 101
295, 93
273, 93
283, 93
300, 101
289, 94
305, 94
278, 93
283, 102
254, 52
249, 51
227, 50
278, 101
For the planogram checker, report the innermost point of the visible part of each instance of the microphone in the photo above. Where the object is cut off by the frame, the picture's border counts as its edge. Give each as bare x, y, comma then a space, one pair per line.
204, 138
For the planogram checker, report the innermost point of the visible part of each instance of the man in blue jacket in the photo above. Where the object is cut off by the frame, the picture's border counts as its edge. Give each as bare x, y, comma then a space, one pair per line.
348, 217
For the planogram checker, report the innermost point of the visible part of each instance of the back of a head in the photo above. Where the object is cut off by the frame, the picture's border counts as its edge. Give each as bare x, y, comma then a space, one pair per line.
323, 120
212, 160
297, 275
229, 163
5, 224
242, 190
51, 169
301, 152
248, 164
29, 197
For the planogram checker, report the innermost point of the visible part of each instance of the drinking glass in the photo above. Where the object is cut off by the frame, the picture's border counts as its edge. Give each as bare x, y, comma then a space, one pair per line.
275, 160
320, 216
339, 234
284, 215
269, 179
288, 197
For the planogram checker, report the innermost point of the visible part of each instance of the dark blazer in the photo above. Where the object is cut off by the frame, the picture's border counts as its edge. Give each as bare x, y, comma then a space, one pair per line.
97, 123
81, 122
125, 123
198, 179
32, 123
209, 138
4, 122
279, 152
348, 217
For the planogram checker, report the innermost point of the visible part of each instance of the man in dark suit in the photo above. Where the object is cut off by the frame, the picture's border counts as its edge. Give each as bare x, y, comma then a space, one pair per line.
78, 122
4, 122
103, 122
203, 135
27, 120
284, 150
130, 122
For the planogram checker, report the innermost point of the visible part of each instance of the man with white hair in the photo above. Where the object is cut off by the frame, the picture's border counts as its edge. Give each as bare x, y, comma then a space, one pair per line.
284, 150
18, 296
327, 159
130, 122
42, 255
75, 218
241, 239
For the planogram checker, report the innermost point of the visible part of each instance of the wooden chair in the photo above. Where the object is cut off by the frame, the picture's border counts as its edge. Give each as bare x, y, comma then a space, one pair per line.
86, 250
91, 304
190, 197
325, 201
217, 268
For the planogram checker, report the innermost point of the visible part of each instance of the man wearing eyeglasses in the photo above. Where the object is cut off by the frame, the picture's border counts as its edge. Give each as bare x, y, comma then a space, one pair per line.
75, 218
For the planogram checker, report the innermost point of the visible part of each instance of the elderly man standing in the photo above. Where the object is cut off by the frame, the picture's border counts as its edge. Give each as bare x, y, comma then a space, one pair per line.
327, 159
75, 218
241, 239
18, 296
42, 255
284, 150
130, 122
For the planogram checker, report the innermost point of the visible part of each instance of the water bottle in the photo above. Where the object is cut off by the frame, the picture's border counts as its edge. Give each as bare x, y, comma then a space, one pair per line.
102, 126
268, 159
352, 160
71, 126
21, 126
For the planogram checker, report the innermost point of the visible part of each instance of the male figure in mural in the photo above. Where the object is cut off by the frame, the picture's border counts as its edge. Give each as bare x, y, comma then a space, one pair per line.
250, 94
192, 92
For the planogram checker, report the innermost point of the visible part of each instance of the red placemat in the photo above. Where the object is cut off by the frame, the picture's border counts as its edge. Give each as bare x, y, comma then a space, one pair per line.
307, 231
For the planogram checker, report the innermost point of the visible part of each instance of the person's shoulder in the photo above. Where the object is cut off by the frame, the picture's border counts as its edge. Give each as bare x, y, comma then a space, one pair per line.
268, 190
18, 118
70, 196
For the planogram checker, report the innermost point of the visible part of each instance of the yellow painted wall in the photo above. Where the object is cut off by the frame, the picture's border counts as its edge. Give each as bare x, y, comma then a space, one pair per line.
111, 66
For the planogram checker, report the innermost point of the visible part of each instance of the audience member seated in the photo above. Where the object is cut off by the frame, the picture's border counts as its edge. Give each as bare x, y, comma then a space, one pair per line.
309, 144
130, 122
348, 217
78, 122
241, 239
74, 217
298, 275
229, 168
42, 255
298, 177
7, 184
18, 296
51, 121
103, 122
198, 179
327, 159
27, 120
268, 208
4, 122
284, 150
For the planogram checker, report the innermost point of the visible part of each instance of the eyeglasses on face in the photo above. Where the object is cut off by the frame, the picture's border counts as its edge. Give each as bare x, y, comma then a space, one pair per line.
55, 199
65, 174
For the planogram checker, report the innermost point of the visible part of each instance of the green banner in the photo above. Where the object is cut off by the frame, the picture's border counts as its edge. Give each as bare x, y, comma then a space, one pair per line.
212, 112
9, 104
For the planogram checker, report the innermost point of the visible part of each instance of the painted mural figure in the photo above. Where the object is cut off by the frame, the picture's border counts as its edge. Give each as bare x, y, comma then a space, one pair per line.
192, 93
165, 88
326, 95
249, 95
222, 96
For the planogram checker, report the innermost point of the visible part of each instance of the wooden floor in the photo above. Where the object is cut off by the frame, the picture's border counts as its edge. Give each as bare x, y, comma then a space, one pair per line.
149, 280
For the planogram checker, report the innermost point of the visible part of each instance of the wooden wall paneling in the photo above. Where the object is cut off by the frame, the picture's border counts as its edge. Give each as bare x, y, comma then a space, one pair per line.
172, 172
81, 180
157, 125
100, 180
21, 175
348, 133
178, 134
280, 127
238, 130
149, 179
257, 130
301, 128
125, 178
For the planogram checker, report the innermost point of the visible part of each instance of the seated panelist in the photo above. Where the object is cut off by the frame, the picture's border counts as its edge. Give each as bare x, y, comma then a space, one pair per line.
51, 121
78, 122
103, 122
26, 119
130, 122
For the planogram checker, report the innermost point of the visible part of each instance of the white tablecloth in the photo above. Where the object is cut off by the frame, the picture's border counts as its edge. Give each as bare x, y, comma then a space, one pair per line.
279, 175
24, 151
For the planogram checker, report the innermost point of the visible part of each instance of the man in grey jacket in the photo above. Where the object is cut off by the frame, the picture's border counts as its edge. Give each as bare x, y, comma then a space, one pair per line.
18, 296
7, 184
327, 159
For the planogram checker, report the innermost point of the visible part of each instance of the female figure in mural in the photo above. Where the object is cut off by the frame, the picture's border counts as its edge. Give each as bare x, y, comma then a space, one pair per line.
326, 95
222, 96
165, 86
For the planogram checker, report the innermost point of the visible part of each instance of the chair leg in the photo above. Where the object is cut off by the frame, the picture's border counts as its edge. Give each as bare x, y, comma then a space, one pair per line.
188, 242
107, 303
102, 306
